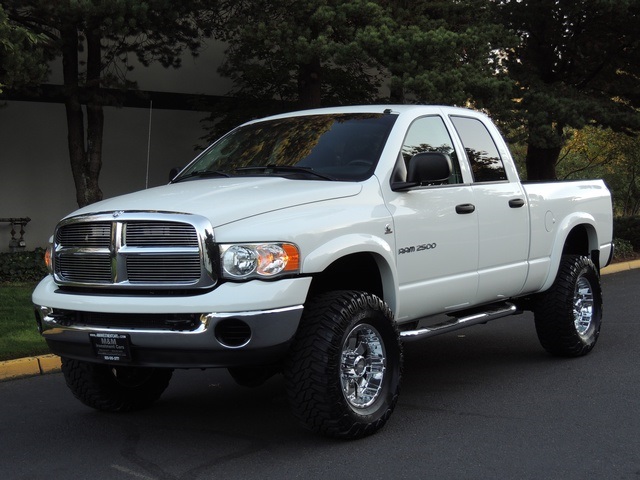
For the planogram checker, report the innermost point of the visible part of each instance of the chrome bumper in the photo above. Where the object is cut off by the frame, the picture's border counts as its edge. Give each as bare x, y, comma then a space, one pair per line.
264, 339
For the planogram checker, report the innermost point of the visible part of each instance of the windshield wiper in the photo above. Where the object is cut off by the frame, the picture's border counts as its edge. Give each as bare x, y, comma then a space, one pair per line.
202, 174
286, 169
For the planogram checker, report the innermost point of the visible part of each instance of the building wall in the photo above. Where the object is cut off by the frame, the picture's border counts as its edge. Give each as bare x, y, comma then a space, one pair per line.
35, 174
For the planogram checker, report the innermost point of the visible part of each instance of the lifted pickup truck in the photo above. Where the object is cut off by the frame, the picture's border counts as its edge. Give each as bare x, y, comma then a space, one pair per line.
314, 244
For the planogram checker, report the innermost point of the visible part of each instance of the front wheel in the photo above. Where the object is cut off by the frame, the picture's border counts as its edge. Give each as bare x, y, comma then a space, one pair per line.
568, 315
115, 388
344, 368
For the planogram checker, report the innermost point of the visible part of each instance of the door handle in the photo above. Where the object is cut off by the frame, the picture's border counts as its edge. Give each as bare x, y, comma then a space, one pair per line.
465, 208
516, 203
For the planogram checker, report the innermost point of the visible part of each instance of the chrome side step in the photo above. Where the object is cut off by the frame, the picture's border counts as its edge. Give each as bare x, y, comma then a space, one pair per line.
456, 323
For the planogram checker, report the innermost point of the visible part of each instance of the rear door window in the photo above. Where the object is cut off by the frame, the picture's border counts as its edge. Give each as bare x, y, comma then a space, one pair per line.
482, 153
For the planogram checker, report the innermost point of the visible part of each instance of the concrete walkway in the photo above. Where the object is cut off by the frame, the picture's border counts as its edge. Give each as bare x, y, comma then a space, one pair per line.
30, 366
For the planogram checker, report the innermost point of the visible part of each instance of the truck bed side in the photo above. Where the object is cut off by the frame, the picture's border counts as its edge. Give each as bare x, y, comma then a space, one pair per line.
566, 217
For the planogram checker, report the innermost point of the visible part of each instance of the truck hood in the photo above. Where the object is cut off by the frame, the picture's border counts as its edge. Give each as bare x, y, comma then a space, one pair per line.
225, 200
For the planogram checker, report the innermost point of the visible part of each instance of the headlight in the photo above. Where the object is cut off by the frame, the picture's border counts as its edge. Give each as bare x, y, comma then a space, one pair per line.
259, 260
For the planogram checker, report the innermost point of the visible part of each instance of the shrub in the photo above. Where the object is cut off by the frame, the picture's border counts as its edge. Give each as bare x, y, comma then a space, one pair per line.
22, 266
628, 228
623, 249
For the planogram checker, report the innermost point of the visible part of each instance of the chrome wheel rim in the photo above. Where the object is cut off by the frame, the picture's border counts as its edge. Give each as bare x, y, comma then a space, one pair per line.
362, 366
583, 306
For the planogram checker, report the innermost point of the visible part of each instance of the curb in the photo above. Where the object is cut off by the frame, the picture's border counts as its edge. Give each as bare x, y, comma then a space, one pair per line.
31, 366
620, 267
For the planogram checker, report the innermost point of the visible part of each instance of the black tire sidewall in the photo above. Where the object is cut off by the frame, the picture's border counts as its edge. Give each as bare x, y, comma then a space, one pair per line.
555, 324
96, 386
315, 388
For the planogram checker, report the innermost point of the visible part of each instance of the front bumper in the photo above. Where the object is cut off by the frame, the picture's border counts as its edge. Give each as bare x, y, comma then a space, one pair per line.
265, 333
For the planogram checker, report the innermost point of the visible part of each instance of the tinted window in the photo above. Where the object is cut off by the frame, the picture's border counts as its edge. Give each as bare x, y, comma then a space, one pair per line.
340, 146
429, 134
481, 151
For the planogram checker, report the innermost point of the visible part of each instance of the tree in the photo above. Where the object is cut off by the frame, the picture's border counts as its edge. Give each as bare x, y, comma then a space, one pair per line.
284, 54
577, 64
21, 55
439, 51
602, 153
304, 54
96, 41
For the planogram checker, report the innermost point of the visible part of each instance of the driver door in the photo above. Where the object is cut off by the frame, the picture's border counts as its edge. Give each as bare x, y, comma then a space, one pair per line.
436, 237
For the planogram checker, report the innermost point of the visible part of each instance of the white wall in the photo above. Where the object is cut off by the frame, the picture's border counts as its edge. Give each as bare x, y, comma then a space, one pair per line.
35, 175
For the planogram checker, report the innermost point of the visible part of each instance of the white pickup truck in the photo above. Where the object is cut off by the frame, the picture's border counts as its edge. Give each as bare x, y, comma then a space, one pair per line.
314, 244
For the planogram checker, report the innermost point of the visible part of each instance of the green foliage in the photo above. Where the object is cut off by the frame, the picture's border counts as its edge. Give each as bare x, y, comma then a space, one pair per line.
284, 52
152, 30
21, 54
19, 335
623, 250
602, 153
577, 64
355, 51
628, 228
22, 266
441, 52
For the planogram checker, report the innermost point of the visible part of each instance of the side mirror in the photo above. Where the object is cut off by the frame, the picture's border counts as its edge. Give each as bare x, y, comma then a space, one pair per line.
429, 167
426, 168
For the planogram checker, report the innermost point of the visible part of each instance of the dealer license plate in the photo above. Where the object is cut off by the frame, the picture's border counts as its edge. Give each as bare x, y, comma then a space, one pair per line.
111, 347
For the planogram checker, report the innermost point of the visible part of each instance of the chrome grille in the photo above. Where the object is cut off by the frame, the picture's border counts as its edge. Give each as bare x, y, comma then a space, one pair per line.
85, 235
159, 268
95, 268
168, 234
134, 250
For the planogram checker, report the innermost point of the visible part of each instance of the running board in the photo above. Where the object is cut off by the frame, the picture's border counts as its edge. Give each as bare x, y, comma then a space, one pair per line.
502, 310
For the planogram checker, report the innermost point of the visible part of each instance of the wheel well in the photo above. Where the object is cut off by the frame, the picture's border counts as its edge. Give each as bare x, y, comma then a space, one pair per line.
354, 272
582, 241
577, 243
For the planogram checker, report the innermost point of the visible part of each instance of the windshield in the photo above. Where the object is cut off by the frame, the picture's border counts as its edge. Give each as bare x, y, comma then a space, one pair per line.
323, 147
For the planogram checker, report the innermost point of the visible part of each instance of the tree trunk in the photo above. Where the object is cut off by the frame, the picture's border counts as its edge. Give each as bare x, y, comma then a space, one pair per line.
396, 88
541, 162
310, 85
95, 116
85, 162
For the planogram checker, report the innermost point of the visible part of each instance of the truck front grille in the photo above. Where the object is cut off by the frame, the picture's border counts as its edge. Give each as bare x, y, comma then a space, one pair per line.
163, 268
135, 250
160, 234
85, 235
94, 268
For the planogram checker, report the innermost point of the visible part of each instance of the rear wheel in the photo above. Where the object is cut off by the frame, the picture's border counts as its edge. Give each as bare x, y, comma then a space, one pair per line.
569, 314
115, 388
344, 368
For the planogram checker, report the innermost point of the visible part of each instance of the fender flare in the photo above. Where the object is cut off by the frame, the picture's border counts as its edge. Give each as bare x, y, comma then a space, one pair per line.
568, 224
330, 252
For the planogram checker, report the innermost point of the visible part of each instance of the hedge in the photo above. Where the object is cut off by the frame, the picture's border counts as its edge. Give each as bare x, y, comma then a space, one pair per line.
628, 228
22, 266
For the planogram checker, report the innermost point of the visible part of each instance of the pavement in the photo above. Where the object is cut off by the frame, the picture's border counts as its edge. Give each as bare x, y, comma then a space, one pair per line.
32, 366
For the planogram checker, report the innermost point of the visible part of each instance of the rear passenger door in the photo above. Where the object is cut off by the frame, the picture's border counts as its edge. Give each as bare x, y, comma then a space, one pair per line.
503, 216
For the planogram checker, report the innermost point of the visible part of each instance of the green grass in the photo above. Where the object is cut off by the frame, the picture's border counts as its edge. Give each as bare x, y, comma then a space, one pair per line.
19, 335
